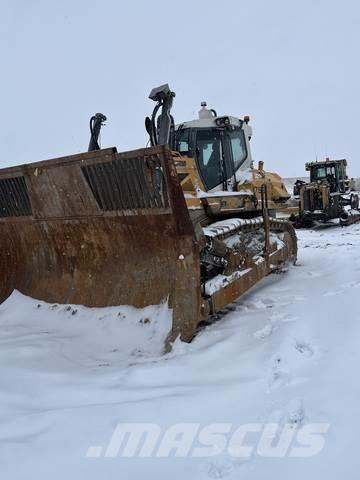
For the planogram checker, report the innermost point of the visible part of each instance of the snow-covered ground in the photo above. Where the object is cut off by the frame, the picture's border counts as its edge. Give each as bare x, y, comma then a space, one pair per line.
286, 353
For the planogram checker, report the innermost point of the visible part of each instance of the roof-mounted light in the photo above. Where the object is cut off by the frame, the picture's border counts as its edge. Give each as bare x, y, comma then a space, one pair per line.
222, 121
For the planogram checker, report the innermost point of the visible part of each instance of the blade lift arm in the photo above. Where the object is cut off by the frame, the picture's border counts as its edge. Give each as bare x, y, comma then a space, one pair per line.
161, 128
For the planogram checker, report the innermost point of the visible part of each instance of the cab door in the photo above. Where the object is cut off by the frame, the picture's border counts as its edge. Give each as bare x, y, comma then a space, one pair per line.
237, 148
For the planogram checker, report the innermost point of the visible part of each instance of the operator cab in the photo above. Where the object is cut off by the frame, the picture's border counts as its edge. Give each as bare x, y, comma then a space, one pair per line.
332, 171
219, 145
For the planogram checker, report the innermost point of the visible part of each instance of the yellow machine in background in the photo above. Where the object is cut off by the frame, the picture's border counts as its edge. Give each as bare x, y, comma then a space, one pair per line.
329, 195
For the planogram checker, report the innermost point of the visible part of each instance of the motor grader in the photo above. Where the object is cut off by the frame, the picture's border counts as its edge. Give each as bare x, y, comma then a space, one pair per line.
329, 195
168, 223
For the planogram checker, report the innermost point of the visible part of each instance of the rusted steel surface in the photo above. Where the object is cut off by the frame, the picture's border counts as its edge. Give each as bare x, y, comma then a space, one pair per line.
98, 229
238, 287
253, 274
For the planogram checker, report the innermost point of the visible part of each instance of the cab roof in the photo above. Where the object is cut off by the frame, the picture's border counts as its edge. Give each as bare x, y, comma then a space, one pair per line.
325, 163
209, 122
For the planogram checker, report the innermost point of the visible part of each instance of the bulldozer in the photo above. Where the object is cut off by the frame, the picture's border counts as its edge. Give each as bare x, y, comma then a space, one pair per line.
167, 223
328, 196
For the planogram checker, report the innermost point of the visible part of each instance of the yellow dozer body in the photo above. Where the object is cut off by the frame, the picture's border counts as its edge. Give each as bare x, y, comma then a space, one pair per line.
278, 195
107, 228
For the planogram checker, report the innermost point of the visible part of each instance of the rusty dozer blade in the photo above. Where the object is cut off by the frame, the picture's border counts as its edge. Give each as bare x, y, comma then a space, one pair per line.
101, 229
105, 228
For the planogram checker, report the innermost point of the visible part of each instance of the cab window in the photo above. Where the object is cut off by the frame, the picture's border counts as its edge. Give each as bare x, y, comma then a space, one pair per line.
209, 156
322, 172
238, 147
182, 142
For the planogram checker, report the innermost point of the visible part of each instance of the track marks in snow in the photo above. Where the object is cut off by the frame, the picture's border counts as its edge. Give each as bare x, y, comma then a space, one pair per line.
291, 413
280, 373
277, 302
304, 348
264, 332
224, 465
332, 293
284, 368
270, 328
281, 317
343, 289
256, 304
313, 274
221, 467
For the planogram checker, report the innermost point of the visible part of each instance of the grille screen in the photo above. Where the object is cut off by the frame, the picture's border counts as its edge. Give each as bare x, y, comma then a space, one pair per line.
124, 184
14, 198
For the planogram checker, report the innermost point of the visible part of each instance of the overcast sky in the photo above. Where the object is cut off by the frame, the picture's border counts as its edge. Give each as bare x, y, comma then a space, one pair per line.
292, 65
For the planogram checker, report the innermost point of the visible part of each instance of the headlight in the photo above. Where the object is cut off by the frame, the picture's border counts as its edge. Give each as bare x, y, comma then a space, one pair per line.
222, 121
